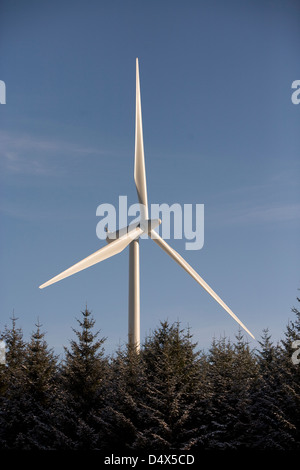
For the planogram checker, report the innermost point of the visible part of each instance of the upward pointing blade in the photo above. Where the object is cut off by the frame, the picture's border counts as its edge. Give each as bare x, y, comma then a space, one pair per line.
107, 251
176, 256
139, 161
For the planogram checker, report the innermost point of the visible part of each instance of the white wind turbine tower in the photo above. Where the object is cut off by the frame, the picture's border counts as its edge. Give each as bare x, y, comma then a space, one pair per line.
119, 240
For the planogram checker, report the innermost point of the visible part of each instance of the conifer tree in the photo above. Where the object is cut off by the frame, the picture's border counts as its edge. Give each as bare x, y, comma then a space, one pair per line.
200, 416
244, 377
84, 366
122, 416
15, 345
172, 374
292, 333
12, 383
270, 428
40, 365
220, 411
10, 373
83, 375
27, 424
39, 394
291, 374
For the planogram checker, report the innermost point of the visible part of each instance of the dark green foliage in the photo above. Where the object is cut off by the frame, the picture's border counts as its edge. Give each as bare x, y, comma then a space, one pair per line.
12, 376
11, 372
30, 392
83, 374
172, 373
291, 375
220, 410
168, 398
84, 367
271, 428
122, 417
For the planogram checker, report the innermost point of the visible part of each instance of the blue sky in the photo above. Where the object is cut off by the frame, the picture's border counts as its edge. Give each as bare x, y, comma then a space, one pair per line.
220, 129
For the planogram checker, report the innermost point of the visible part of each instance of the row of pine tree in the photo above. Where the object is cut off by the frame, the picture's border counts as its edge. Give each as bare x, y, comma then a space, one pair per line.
171, 397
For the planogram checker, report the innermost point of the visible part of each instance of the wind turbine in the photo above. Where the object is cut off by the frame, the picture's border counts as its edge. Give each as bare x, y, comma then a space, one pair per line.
119, 240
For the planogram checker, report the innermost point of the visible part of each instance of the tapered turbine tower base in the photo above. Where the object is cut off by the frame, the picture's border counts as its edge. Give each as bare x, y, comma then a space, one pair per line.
134, 295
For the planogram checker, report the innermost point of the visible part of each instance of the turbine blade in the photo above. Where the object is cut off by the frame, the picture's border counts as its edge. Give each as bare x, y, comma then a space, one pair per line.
107, 251
176, 256
139, 160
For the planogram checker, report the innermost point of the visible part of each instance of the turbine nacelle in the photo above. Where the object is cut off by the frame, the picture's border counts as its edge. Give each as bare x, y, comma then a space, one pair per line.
150, 224
145, 225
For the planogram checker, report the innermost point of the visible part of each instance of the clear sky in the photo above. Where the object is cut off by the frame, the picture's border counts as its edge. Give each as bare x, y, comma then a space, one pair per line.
220, 129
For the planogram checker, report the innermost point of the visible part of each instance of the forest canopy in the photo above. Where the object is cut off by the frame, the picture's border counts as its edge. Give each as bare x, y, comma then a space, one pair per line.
169, 397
